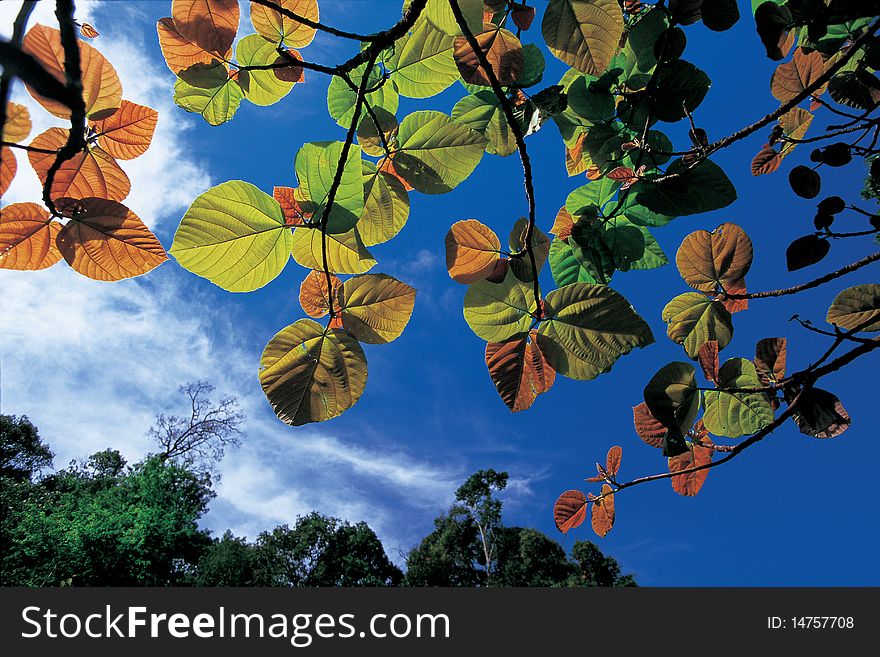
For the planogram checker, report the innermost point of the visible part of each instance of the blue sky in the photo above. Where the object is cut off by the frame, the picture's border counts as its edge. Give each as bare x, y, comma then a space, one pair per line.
92, 363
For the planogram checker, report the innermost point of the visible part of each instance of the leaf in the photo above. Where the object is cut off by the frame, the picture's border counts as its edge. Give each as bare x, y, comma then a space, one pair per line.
8, 168
673, 399
376, 307
262, 87
563, 224
315, 166
648, 428
690, 483
856, 307
179, 53
708, 261
583, 34
501, 49
708, 359
101, 89
346, 253
435, 154
422, 65
127, 133
368, 133
677, 85
294, 215
498, 311
90, 173
693, 320
565, 266
481, 112
612, 460
794, 124
27, 237
820, 414
793, 77
806, 251
519, 370
703, 188
805, 182
106, 241
439, 14
87, 31
18, 123
234, 235
570, 510
313, 294
386, 206
766, 161
341, 99
587, 328
719, 15
540, 243
312, 374
735, 414
770, 354
603, 512
278, 28
472, 250
209, 24
772, 22
208, 90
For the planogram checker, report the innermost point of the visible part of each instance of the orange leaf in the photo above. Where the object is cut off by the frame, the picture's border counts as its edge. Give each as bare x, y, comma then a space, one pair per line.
88, 31
648, 428
387, 166
519, 370
102, 90
313, 295
27, 237
18, 123
690, 483
574, 157
292, 72
708, 357
792, 77
766, 161
594, 172
472, 251
127, 133
179, 53
563, 225
208, 24
735, 305
91, 173
603, 512
274, 26
502, 50
769, 361
706, 259
612, 461
570, 510
8, 167
293, 212
523, 17
106, 241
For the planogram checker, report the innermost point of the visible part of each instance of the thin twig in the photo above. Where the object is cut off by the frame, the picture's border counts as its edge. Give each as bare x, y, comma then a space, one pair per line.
18, 28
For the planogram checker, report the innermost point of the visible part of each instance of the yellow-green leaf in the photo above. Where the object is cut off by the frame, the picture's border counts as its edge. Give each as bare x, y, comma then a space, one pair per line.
346, 253
583, 33
694, 319
376, 307
498, 311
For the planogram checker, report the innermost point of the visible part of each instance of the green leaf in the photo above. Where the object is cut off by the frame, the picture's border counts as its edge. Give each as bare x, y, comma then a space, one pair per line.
208, 90
435, 154
640, 215
856, 306
565, 266
735, 414
315, 168
346, 253
341, 98
590, 99
498, 311
675, 84
439, 14
386, 206
585, 199
631, 246
604, 145
703, 188
260, 87
235, 236
312, 374
583, 33
482, 112
673, 398
376, 307
422, 65
522, 266
694, 319
639, 47
588, 327
590, 248
533, 66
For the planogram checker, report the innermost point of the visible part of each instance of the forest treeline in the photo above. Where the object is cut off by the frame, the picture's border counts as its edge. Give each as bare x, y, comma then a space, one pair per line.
105, 522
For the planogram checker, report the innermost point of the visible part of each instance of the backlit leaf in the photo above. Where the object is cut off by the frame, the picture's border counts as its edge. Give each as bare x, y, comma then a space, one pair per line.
386, 206
368, 133
482, 112
439, 14
376, 307
612, 460
857, 306
472, 249
735, 414
179, 53
106, 241
673, 399
294, 215
766, 161
210, 24
565, 266
101, 89
583, 33
27, 237
208, 90
588, 327
502, 50
312, 374
703, 188
770, 356
18, 123
346, 253
540, 244
316, 165
794, 124
435, 154
8, 168
260, 87
562, 225
422, 64
648, 428
820, 414
708, 359
519, 370
693, 320
710, 260
91, 173
341, 99
314, 296
791, 78
277, 28
234, 235
603, 512
570, 510
690, 483
127, 132
498, 311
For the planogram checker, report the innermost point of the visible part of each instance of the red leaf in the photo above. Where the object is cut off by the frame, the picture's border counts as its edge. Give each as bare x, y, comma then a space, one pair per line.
523, 17
708, 357
612, 461
570, 510
770, 354
603, 512
735, 305
766, 161
690, 483
648, 428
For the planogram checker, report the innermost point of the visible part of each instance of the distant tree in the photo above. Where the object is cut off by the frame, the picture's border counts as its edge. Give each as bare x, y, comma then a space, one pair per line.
22, 454
199, 438
595, 569
527, 557
449, 555
230, 561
